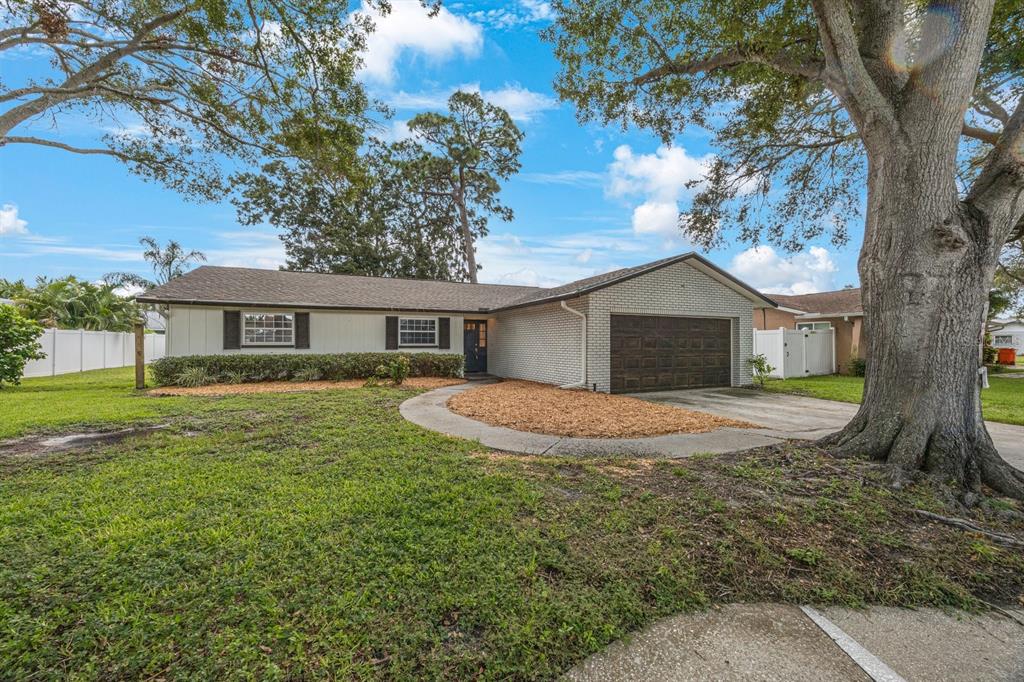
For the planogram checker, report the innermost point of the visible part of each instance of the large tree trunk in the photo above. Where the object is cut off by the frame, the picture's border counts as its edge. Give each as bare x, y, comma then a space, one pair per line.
925, 273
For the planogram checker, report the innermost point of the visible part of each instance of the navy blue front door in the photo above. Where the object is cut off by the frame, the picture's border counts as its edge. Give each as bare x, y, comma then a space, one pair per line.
474, 341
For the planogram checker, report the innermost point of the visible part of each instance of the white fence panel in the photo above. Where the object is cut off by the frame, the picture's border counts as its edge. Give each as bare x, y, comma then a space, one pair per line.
77, 350
797, 352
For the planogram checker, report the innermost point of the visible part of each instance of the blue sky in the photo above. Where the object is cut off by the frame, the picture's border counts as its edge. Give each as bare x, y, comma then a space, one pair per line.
588, 199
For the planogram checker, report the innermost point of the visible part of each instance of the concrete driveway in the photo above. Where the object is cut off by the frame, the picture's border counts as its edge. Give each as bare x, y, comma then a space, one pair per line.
793, 416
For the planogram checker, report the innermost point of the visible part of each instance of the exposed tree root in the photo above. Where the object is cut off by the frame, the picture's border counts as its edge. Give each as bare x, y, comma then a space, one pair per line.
964, 524
909, 447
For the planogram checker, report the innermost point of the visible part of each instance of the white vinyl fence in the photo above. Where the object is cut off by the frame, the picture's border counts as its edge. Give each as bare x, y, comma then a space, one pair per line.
797, 352
77, 350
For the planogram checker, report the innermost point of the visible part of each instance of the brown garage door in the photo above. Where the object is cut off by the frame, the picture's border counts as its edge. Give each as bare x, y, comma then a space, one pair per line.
650, 353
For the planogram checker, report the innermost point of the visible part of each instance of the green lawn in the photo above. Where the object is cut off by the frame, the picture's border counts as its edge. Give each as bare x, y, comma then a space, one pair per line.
319, 535
1003, 401
104, 396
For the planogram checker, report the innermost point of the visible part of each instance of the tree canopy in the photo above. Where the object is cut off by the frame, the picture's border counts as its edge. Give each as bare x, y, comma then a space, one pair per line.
188, 85
790, 91
411, 208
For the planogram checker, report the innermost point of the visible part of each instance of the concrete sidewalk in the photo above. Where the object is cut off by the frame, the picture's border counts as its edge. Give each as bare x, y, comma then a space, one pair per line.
782, 642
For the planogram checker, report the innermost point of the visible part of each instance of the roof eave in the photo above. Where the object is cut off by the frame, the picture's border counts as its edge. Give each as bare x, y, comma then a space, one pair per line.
818, 316
308, 306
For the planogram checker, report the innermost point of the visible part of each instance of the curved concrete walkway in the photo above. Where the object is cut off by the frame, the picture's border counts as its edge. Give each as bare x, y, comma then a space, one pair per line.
430, 411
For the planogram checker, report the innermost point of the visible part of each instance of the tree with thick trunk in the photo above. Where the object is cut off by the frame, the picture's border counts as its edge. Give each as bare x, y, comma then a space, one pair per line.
810, 102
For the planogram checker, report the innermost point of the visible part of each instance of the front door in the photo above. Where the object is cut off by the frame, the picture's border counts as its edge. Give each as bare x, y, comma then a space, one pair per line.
474, 341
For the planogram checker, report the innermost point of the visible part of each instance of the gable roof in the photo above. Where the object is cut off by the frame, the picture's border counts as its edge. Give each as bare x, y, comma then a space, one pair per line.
215, 285
842, 302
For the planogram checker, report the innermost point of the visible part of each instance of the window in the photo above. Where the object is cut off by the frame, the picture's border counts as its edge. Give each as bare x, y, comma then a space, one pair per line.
417, 331
819, 326
1003, 340
268, 329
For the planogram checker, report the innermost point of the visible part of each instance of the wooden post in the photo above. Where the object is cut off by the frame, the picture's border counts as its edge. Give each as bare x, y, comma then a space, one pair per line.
140, 355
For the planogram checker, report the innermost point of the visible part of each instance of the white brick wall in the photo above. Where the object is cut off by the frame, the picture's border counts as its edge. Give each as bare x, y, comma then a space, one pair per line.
678, 289
539, 343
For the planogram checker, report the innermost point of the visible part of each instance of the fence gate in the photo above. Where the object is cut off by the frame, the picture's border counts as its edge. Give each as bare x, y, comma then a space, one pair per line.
797, 352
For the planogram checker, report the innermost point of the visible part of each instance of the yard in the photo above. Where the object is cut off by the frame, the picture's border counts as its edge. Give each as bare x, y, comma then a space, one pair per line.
302, 535
1003, 401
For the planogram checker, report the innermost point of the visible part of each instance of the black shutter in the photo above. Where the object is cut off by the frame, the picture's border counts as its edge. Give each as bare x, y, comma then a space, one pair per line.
232, 329
302, 330
391, 333
444, 332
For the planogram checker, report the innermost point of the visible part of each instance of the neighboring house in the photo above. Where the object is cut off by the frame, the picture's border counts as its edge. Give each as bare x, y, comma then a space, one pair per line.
1007, 334
839, 310
679, 322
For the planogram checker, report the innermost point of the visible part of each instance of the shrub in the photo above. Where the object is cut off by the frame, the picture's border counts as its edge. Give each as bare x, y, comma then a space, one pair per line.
232, 377
396, 369
194, 376
18, 343
761, 369
856, 366
308, 374
278, 366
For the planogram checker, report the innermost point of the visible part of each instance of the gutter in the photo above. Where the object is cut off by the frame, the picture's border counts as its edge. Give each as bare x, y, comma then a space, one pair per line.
583, 339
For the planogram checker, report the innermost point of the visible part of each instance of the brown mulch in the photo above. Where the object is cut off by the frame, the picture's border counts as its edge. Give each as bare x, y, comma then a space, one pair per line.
542, 408
296, 386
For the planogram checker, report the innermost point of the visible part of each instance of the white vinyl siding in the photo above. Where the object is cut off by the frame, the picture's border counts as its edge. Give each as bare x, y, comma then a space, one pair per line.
199, 330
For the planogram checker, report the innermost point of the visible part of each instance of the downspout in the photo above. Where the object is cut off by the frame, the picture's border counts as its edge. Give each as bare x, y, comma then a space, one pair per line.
583, 347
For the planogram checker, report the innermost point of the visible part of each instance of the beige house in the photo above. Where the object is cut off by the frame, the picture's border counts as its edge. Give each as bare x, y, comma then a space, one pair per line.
839, 310
679, 322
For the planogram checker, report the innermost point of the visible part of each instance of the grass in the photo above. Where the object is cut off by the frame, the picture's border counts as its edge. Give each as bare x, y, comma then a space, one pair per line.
1002, 402
319, 535
105, 396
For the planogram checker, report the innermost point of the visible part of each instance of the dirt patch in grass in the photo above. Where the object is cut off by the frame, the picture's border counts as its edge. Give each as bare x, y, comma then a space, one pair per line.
416, 383
542, 408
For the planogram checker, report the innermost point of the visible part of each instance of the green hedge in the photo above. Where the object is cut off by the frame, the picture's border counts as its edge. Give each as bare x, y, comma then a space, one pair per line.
280, 366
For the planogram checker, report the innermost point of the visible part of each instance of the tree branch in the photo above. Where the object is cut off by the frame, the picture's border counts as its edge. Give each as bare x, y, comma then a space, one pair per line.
11, 139
867, 105
978, 133
780, 61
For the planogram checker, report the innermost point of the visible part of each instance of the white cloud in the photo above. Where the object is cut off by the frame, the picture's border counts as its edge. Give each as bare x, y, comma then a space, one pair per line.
801, 273
409, 28
521, 103
248, 249
396, 131
10, 223
660, 179
552, 261
527, 12
572, 178
105, 253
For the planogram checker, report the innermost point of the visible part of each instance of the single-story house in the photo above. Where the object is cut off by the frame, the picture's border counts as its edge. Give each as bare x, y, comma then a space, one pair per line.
1007, 334
839, 310
679, 322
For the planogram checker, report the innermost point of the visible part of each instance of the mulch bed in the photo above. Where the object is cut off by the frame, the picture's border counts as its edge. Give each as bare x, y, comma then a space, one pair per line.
296, 386
542, 408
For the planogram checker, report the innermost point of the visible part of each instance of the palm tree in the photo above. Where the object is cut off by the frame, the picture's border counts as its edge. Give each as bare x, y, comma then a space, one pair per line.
168, 262
72, 304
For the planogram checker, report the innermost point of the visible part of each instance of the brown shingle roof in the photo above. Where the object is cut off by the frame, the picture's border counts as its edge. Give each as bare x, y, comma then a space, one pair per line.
214, 285
249, 286
824, 303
